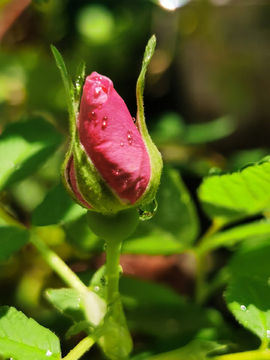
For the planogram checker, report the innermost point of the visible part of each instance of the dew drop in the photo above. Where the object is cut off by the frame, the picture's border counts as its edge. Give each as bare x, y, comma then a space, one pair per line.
129, 137
121, 144
48, 353
117, 172
146, 212
96, 288
104, 124
100, 106
242, 307
97, 91
100, 78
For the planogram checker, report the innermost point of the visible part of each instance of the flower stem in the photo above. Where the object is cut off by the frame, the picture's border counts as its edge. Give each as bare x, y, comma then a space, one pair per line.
80, 349
112, 269
58, 265
247, 355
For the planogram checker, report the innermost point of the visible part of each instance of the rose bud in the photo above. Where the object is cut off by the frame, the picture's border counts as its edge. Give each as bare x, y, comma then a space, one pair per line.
109, 167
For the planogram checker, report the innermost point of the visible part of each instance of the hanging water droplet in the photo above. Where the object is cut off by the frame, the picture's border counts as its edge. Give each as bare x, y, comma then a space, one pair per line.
103, 280
97, 91
129, 137
104, 124
105, 247
48, 353
96, 288
134, 120
146, 212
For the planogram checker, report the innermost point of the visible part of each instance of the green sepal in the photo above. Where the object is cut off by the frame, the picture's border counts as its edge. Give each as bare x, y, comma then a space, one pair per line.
154, 155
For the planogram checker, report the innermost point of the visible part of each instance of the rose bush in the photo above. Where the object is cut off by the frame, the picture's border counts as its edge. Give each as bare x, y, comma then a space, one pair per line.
110, 163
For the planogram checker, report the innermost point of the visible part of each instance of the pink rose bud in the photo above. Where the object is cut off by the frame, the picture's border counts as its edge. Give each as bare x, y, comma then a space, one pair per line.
110, 165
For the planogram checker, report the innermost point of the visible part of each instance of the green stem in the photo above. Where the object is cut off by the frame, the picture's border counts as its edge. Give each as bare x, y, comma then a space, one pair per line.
112, 269
80, 349
201, 270
247, 355
58, 265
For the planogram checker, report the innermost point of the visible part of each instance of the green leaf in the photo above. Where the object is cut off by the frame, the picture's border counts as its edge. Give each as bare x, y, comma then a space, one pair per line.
195, 350
23, 338
230, 237
175, 225
248, 293
24, 147
211, 131
88, 306
68, 301
57, 207
233, 196
11, 240
135, 292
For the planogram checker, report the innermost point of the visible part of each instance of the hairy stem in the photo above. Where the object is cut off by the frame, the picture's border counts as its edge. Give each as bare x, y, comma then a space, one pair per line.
58, 265
80, 349
247, 355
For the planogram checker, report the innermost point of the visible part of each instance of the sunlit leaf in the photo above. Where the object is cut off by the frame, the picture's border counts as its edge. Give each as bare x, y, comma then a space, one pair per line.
240, 194
23, 338
248, 293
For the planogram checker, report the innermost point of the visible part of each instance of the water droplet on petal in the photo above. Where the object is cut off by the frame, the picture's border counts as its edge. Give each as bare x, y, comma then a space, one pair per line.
117, 172
104, 124
129, 137
96, 288
97, 91
121, 144
100, 106
242, 307
146, 212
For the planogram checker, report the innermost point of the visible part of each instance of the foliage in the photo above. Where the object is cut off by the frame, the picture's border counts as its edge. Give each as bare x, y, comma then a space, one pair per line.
220, 229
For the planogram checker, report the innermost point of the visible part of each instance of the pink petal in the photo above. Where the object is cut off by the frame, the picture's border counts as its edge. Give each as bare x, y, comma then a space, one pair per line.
111, 139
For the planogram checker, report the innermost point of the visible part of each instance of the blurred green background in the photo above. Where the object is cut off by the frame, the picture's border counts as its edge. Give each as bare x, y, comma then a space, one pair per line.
206, 103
